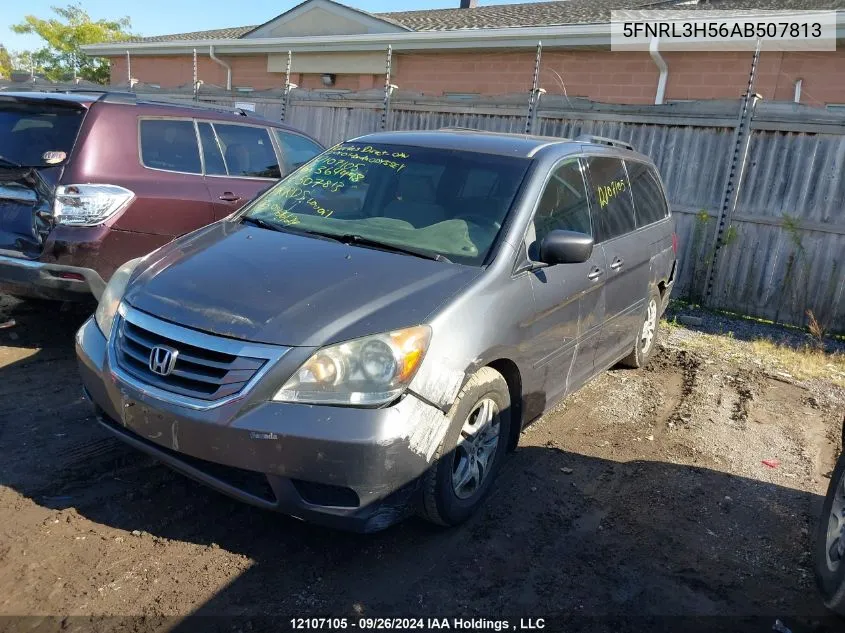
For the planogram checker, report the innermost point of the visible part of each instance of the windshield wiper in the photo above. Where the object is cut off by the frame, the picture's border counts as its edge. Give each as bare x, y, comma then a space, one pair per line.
285, 228
354, 238
10, 163
264, 224
347, 238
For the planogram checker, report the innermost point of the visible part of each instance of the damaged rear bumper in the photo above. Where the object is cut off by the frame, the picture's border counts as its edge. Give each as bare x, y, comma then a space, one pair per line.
346, 467
32, 278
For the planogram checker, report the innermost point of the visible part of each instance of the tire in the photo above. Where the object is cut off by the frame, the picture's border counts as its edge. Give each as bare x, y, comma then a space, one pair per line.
830, 576
643, 349
444, 501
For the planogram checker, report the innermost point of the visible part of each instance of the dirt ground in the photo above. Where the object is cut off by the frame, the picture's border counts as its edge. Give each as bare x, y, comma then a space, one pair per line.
643, 495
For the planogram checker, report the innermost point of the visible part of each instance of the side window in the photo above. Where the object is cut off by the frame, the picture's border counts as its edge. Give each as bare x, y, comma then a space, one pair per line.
211, 152
248, 151
170, 144
649, 201
615, 208
564, 204
296, 150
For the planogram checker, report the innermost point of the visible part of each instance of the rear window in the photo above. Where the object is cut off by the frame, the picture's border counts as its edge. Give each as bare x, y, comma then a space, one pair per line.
36, 135
615, 208
296, 150
649, 201
171, 145
248, 151
442, 201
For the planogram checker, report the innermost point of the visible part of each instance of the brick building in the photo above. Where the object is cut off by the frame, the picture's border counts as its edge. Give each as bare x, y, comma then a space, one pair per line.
479, 50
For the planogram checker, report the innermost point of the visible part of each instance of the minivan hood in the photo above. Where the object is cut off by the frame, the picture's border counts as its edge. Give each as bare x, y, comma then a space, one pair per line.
265, 286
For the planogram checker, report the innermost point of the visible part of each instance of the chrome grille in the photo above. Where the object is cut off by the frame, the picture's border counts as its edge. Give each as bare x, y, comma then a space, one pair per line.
208, 368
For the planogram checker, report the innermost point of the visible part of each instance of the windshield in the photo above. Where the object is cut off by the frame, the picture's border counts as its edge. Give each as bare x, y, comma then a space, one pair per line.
446, 202
37, 135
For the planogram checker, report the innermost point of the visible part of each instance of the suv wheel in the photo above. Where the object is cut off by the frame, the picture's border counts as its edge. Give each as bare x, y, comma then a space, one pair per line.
471, 454
647, 336
829, 544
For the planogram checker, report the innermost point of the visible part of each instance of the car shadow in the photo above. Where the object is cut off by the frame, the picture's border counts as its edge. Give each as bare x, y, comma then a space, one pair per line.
587, 542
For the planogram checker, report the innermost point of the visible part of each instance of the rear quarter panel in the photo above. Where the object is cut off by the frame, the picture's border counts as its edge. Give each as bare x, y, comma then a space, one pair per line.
166, 203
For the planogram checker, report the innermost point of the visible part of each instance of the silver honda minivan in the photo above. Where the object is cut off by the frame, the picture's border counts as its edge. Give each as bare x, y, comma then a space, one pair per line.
368, 338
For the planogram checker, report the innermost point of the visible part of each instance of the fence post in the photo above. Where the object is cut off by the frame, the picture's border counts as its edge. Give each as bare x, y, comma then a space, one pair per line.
535, 91
288, 87
388, 88
196, 78
736, 171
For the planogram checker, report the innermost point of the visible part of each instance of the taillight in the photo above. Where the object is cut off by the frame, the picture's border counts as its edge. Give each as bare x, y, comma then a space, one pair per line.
88, 205
674, 242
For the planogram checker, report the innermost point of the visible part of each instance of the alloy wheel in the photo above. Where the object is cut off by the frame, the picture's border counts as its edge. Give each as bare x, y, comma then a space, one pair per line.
476, 449
649, 327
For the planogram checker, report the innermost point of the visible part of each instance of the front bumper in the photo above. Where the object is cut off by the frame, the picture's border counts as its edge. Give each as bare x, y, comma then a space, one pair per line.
346, 467
32, 278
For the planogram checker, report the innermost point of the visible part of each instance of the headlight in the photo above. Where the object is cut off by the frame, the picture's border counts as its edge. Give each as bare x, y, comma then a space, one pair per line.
88, 205
367, 371
112, 295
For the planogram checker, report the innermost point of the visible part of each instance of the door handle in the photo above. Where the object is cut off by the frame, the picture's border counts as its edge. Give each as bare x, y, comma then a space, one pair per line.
594, 274
617, 263
228, 196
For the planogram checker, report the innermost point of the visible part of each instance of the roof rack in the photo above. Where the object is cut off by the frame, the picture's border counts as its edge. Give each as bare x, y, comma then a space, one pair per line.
118, 96
603, 140
460, 128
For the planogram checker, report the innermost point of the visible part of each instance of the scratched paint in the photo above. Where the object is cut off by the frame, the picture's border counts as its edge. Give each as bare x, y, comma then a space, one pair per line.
421, 425
437, 381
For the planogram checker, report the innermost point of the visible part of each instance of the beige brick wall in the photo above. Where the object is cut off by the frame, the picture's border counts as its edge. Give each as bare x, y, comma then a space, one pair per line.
599, 75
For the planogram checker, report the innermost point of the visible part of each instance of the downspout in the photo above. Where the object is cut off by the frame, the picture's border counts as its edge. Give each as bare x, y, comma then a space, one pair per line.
798, 84
224, 64
662, 67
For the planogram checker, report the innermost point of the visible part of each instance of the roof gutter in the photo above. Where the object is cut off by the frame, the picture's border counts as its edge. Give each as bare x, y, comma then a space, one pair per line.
662, 67
222, 63
570, 35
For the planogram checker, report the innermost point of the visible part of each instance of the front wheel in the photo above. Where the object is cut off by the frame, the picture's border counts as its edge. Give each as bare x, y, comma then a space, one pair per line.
829, 544
471, 454
647, 334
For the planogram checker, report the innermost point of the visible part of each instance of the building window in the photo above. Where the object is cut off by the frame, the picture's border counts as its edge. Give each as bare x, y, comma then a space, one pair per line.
461, 96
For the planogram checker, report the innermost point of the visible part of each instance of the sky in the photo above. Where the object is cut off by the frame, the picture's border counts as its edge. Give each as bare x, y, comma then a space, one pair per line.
159, 17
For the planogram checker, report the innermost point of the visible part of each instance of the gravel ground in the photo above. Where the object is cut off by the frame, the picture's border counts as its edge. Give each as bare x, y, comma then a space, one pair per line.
643, 495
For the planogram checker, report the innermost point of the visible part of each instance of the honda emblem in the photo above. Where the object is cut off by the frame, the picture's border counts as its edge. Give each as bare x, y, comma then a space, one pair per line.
162, 360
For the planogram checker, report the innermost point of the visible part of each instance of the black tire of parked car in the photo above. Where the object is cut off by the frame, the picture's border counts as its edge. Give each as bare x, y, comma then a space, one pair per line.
639, 357
440, 504
831, 583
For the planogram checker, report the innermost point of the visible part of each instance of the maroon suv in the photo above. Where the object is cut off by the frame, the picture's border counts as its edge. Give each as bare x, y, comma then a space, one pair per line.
89, 181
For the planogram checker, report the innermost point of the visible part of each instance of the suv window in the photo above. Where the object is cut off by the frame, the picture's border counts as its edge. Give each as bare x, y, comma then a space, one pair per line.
28, 131
614, 206
248, 151
649, 201
296, 150
564, 204
170, 144
211, 152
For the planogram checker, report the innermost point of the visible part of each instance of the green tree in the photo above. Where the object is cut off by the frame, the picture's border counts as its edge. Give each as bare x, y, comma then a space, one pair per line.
64, 34
5, 62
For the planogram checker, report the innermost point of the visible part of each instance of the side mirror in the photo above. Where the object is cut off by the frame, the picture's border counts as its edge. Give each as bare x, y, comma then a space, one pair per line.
566, 247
